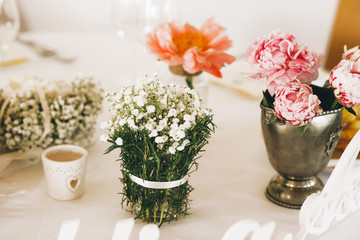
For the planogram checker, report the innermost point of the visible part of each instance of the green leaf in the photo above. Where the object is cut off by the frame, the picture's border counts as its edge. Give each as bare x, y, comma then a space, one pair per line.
189, 82
268, 100
335, 104
351, 110
303, 128
111, 148
326, 96
327, 84
264, 101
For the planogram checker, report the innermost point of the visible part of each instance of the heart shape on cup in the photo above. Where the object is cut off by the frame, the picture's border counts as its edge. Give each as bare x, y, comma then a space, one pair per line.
73, 183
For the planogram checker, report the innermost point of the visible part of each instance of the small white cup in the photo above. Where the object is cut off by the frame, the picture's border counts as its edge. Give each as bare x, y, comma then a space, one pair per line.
65, 167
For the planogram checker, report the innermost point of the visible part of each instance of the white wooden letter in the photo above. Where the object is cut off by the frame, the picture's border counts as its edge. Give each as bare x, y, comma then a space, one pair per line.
340, 196
243, 229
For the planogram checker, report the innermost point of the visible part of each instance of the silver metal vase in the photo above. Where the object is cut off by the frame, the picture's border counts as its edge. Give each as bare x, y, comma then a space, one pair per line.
298, 159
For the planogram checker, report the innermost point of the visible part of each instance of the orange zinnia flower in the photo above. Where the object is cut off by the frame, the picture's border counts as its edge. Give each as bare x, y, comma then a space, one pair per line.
194, 49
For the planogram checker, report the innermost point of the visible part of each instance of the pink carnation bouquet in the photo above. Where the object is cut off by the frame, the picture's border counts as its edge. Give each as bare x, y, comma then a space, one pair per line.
289, 69
189, 50
345, 78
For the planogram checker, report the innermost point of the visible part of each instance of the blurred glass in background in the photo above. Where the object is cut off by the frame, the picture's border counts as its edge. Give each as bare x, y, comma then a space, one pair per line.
9, 25
133, 19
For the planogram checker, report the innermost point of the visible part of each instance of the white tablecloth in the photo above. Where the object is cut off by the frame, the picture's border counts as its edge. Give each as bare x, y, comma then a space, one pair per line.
229, 185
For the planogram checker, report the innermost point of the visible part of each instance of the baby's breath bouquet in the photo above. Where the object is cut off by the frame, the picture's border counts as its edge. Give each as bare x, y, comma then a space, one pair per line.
160, 129
37, 113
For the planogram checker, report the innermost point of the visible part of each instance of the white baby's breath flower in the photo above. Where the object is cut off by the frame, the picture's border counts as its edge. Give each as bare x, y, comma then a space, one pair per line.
163, 122
180, 148
122, 122
138, 86
174, 126
142, 93
197, 103
72, 109
150, 109
172, 150
117, 97
186, 125
180, 134
140, 116
131, 123
172, 113
160, 139
31, 102
164, 99
119, 141
103, 138
172, 133
118, 106
104, 125
127, 99
60, 100
128, 91
153, 133
113, 111
177, 109
139, 100
149, 126
135, 112
22, 105
159, 128
183, 145
192, 92
189, 118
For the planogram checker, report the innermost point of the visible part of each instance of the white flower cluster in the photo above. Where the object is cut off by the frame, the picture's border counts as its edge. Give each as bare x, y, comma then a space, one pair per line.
73, 109
164, 112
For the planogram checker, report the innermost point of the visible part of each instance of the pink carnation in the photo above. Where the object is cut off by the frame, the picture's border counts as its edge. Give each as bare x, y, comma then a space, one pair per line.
352, 54
194, 49
280, 59
296, 103
345, 79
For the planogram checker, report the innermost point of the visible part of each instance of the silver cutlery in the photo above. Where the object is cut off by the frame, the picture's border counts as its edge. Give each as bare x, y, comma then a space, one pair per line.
46, 52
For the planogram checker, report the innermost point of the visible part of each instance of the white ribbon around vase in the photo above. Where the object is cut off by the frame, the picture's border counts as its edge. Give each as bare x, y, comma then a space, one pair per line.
158, 185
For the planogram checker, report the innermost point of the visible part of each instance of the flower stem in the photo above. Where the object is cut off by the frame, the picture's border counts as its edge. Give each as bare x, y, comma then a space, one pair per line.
189, 82
163, 204
155, 210
162, 209
147, 214
334, 105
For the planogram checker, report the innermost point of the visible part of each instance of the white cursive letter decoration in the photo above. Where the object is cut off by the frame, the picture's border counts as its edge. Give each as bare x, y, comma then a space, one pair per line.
340, 196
